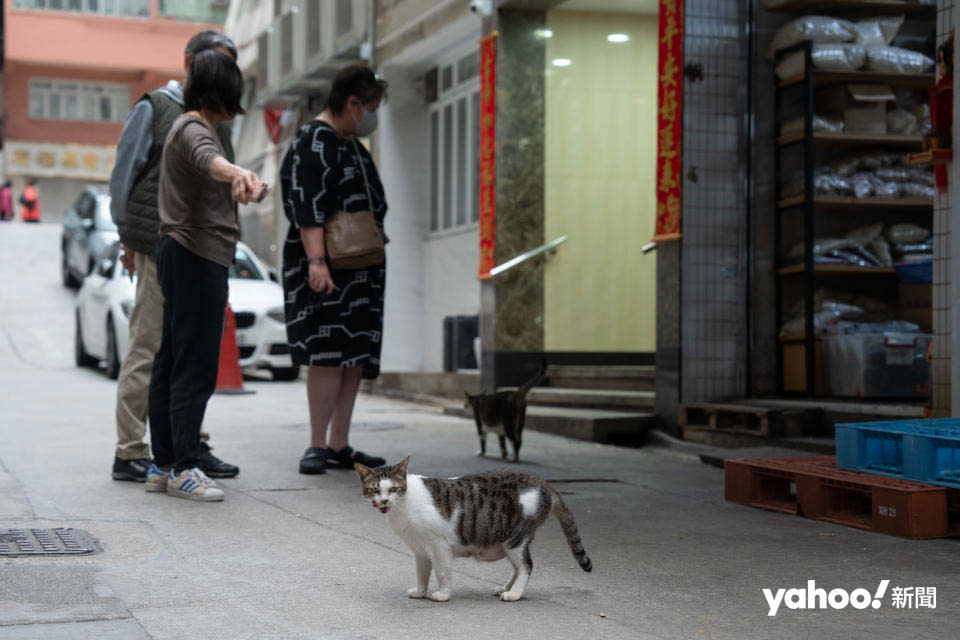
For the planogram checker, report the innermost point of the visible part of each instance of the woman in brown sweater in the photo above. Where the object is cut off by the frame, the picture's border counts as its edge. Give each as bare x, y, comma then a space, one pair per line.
199, 233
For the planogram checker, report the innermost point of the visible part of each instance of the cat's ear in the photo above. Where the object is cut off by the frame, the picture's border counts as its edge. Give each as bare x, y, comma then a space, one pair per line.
364, 472
401, 469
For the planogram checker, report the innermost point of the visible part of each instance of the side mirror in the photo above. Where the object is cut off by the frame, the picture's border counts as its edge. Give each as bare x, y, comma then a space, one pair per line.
272, 272
106, 267
87, 224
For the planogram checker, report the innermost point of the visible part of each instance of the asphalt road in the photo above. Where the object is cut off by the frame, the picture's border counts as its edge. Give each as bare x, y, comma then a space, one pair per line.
291, 556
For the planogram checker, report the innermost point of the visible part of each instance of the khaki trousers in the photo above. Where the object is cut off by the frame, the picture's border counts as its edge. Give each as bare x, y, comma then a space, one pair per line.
133, 385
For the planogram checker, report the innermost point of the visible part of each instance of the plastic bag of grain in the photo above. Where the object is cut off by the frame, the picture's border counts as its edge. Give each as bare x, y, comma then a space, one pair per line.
897, 60
878, 32
816, 29
826, 57
905, 233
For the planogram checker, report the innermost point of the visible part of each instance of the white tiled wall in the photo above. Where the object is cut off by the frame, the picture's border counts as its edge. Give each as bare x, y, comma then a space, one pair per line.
714, 263
946, 301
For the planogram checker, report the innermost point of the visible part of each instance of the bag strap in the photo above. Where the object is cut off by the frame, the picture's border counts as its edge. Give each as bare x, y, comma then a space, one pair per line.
363, 169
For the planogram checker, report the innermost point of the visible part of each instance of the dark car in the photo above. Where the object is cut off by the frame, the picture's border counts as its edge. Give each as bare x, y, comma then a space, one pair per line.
88, 231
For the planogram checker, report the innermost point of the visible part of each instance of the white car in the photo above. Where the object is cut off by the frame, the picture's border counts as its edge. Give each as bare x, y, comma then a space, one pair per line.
106, 298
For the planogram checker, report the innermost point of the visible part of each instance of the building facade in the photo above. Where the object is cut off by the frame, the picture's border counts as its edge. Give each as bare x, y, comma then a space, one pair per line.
576, 147
72, 70
573, 176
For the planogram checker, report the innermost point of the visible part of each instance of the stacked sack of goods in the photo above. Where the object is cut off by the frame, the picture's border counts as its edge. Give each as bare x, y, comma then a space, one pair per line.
871, 246
843, 45
838, 312
869, 175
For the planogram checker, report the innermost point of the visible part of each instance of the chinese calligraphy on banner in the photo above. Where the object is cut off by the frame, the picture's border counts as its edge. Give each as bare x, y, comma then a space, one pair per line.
670, 121
488, 118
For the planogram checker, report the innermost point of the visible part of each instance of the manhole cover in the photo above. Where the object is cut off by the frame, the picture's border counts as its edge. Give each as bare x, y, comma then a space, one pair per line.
46, 542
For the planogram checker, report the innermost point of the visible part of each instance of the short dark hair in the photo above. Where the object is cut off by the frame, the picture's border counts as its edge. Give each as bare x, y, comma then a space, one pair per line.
355, 80
216, 83
210, 39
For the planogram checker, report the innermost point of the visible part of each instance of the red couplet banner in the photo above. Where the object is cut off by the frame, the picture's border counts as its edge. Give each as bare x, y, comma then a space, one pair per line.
488, 120
670, 121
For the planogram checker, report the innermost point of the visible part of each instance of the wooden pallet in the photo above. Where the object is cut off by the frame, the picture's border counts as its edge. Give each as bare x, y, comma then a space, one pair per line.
750, 420
814, 487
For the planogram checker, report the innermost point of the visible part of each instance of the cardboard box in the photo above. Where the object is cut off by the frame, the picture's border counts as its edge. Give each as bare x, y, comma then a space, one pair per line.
795, 368
863, 107
915, 296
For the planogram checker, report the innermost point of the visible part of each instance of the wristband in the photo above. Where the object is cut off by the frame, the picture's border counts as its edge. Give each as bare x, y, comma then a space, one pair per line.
316, 261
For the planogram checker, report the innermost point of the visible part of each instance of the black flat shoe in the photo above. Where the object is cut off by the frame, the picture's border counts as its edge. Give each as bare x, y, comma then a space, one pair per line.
314, 461
345, 458
214, 467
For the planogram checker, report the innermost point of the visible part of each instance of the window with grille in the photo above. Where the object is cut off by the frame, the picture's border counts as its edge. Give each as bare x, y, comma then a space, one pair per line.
454, 131
286, 43
122, 8
312, 16
344, 16
71, 100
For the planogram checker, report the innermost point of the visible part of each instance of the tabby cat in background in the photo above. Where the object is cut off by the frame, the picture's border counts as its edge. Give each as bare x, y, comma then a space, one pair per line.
487, 517
503, 413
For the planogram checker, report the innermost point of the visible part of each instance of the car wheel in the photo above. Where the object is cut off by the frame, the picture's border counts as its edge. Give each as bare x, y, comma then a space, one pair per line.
81, 356
285, 374
113, 357
65, 275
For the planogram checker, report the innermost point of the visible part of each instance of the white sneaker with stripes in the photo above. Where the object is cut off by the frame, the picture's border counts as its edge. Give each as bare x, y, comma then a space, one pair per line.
193, 484
156, 480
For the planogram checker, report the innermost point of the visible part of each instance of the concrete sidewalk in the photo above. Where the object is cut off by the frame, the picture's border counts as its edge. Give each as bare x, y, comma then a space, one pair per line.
291, 556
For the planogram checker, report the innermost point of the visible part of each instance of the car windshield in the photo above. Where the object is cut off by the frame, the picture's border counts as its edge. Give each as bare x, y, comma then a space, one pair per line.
103, 220
244, 267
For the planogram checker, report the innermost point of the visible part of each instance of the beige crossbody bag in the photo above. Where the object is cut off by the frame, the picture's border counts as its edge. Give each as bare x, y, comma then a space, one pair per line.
353, 239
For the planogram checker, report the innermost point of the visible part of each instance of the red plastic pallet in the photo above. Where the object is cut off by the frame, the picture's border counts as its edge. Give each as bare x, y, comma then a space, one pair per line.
814, 487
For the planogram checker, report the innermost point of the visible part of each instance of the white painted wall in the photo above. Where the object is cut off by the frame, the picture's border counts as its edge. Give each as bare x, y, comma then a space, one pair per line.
451, 288
403, 165
428, 277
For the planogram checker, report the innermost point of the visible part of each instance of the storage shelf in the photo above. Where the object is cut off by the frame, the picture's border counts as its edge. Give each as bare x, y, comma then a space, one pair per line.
869, 204
932, 157
856, 7
864, 139
839, 269
842, 77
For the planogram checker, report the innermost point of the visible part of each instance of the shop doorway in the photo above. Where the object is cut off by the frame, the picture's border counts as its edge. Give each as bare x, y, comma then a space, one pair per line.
600, 175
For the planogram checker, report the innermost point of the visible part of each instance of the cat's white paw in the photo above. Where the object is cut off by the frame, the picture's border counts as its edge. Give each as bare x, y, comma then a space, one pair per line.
439, 596
509, 596
480, 454
416, 593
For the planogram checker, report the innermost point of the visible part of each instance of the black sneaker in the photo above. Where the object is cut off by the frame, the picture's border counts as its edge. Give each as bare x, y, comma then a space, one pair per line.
214, 467
314, 461
131, 470
345, 458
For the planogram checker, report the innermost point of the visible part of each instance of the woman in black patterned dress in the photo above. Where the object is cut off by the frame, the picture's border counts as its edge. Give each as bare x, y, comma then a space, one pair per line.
334, 316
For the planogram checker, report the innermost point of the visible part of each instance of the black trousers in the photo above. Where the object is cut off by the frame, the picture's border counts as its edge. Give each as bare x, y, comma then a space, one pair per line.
185, 368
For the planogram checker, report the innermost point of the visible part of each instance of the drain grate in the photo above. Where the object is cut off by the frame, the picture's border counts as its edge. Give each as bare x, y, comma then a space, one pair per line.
46, 542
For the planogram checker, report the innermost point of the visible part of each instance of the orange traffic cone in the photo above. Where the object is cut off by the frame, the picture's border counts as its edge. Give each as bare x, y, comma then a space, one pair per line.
229, 377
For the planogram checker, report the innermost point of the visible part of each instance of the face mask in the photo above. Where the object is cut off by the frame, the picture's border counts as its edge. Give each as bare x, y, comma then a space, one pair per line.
367, 123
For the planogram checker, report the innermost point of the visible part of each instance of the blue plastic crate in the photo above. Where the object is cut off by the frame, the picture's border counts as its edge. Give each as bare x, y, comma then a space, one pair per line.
915, 272
919, 450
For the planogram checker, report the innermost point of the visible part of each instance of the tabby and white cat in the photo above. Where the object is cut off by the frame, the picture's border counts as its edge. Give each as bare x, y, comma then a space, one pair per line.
487, 517
504, 414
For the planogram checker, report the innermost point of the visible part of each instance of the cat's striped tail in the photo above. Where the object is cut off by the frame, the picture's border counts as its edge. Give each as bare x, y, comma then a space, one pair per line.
569, 526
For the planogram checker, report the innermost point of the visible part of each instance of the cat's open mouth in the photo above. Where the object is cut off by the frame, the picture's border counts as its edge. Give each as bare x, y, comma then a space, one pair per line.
384, 509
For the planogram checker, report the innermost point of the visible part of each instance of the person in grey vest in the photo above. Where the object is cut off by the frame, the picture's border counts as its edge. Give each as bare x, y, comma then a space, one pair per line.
134, 207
